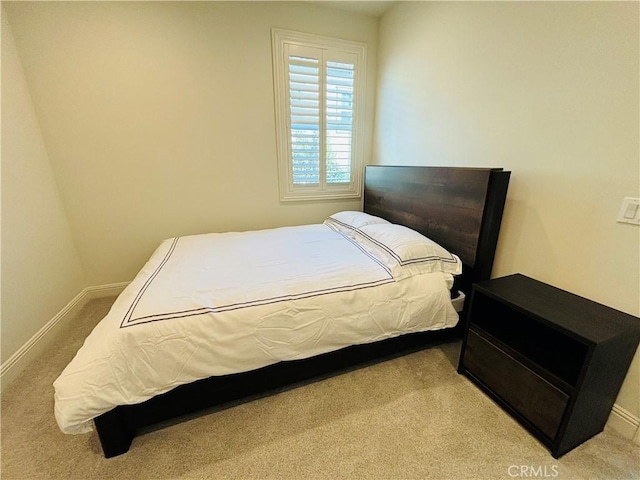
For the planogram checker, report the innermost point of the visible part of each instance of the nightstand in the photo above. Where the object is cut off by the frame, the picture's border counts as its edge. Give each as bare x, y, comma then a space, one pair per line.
553, 360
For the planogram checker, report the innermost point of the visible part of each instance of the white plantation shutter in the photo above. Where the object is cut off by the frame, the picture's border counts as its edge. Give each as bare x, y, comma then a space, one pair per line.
318, 96
304, 120
339, 121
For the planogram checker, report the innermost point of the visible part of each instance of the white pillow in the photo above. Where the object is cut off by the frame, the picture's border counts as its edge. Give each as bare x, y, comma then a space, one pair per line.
349, 221
406, 251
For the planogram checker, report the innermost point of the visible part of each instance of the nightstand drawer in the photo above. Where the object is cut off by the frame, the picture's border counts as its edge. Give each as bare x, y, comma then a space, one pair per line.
538, 401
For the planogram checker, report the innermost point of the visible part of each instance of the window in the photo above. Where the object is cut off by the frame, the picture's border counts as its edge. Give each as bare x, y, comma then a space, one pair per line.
319, 92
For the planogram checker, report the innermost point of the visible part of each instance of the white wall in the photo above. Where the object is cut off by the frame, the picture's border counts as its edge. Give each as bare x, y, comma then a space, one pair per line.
41, 270
548, 90
159, 117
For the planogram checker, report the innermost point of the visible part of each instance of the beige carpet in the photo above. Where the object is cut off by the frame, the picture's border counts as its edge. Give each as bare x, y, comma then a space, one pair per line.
411, 417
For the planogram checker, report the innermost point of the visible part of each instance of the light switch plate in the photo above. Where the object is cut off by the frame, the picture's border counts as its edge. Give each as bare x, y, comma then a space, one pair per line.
630, 211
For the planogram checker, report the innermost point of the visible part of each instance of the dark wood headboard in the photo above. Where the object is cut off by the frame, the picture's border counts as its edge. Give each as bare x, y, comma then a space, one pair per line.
459, 208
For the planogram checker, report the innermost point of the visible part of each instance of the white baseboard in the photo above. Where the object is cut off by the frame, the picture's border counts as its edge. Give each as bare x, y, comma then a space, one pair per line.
101, 291
19, 360
625, 423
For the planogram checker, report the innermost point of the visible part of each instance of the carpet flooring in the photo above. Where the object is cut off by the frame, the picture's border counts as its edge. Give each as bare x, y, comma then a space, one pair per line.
412, 417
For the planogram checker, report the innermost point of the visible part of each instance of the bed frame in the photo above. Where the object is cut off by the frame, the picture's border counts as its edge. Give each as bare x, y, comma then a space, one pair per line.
460, 208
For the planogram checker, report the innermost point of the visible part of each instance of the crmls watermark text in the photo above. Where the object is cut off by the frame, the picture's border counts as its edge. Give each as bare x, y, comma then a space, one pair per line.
533, 471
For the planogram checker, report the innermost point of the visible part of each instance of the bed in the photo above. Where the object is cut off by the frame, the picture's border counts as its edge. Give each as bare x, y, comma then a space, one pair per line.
214, 319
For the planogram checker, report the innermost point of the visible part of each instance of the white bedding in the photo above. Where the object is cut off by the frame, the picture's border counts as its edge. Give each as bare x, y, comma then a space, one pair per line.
226, 303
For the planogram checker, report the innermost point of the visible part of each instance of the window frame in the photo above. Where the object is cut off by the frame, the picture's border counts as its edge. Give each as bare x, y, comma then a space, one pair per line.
334, 48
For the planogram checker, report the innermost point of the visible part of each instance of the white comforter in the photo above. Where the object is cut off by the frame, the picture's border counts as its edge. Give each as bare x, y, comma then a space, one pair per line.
217, 304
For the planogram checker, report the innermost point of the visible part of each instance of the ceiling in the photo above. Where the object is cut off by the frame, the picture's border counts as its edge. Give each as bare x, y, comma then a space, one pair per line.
372, 8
